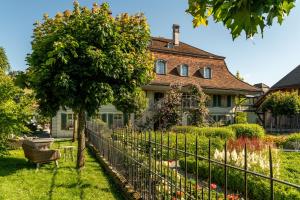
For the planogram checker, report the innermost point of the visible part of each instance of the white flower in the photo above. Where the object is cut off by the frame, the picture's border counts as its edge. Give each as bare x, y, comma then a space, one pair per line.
234, 155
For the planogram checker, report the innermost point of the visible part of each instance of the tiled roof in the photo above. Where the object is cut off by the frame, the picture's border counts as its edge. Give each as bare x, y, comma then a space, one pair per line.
195, 58
160, 44
291, 80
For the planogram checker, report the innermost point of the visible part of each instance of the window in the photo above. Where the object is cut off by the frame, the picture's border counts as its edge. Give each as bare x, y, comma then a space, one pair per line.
184, 70
229, 101
66, 121
216, 100
160, 67
207, 73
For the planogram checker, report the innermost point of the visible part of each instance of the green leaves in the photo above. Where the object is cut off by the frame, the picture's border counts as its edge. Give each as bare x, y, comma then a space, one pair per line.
4, 64
85, 58
16, 109
282, 103
248, 16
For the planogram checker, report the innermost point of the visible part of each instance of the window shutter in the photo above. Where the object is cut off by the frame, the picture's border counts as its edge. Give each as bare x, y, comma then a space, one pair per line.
63, 121
229, 101
219, 100
214, 100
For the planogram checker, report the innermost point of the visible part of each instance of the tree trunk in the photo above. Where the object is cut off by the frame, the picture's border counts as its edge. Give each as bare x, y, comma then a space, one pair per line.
81, 139
75, 127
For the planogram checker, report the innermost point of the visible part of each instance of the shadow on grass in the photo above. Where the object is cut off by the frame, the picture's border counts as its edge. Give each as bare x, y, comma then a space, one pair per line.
81, 185
52, 184
10, 165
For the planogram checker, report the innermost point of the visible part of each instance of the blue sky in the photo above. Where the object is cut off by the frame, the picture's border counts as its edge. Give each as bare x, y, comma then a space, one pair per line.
258, 60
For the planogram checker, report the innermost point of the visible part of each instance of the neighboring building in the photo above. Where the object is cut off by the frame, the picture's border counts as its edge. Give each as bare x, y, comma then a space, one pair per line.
291, 82
180, 63
263, 87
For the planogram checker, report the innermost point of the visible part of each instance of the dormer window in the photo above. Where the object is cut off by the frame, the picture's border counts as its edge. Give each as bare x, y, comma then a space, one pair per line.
184, 70
207, 73
160, 67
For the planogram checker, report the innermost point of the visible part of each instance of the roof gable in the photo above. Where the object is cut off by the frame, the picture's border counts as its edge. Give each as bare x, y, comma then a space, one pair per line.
166, 45
291, 80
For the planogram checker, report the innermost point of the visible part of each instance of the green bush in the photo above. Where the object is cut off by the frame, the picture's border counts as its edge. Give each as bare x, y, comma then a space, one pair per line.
241, 118
248, 130
258, 188
212, 132
292, 141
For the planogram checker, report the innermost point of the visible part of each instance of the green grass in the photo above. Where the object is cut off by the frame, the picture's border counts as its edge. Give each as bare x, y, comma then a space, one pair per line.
289, 169
19, 180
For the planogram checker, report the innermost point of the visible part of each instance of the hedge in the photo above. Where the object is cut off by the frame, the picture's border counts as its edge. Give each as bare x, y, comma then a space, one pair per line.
258, 188
292, 141
248, 130
212, 132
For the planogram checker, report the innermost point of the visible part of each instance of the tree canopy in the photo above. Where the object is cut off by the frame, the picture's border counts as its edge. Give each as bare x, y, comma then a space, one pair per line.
16, 110
4, 64
282, 103
86, 58
251, 16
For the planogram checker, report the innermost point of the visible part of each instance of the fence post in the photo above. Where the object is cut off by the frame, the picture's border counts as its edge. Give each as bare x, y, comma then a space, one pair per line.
150, 151
225, 169
209, 169
271, 174
245, 175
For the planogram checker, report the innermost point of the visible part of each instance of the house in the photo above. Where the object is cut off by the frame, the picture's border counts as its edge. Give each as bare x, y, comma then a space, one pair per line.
180, 63
263, 87
289, 83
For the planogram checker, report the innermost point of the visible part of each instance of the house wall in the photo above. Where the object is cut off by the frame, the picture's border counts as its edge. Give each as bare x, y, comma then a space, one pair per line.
57, 132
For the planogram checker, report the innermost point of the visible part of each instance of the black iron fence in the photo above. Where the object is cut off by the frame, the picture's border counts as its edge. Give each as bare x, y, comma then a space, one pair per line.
164, 166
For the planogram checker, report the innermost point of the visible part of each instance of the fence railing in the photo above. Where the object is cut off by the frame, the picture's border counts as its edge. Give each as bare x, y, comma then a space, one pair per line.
159, 166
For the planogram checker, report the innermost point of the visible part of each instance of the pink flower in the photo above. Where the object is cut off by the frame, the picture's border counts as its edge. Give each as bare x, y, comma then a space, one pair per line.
213, 186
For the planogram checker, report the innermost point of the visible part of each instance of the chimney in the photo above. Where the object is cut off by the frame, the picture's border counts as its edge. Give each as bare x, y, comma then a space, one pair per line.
176, 35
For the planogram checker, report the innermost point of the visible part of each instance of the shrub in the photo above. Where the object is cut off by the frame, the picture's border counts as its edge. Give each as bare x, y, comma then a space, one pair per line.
248, 130
292, 141
241, 118
258, 188
212, 132
276, 140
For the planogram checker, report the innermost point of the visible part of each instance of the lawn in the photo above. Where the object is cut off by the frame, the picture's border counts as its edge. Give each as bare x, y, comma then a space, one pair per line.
19, 180
290, 170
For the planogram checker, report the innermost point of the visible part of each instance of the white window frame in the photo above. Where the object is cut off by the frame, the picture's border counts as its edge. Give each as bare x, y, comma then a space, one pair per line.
205, 75
156, 67
181, 70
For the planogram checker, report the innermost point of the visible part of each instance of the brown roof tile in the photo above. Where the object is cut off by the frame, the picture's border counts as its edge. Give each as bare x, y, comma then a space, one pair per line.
160, 44
195, 58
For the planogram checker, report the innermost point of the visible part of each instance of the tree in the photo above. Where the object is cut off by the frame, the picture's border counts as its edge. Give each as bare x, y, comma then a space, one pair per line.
238, 76
135, 103
198, 115
282, 103
168, 110
249, 16
16, 110
86, 58
4, 64
171, 108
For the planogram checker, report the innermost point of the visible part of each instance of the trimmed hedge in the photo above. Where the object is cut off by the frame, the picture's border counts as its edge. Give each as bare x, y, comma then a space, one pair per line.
212, 132
258, 188
248, 130
292, 141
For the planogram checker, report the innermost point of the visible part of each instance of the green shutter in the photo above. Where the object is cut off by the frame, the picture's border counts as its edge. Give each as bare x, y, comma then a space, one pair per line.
126, 118
63, 121
214, 100
110, 120
229, 101
219, 100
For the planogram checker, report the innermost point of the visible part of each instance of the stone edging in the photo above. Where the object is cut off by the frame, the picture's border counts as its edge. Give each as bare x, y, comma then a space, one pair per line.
127, 190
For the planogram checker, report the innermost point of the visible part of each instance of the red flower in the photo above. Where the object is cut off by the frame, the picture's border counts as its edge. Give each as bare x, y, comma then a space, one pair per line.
213, 186
179, 194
